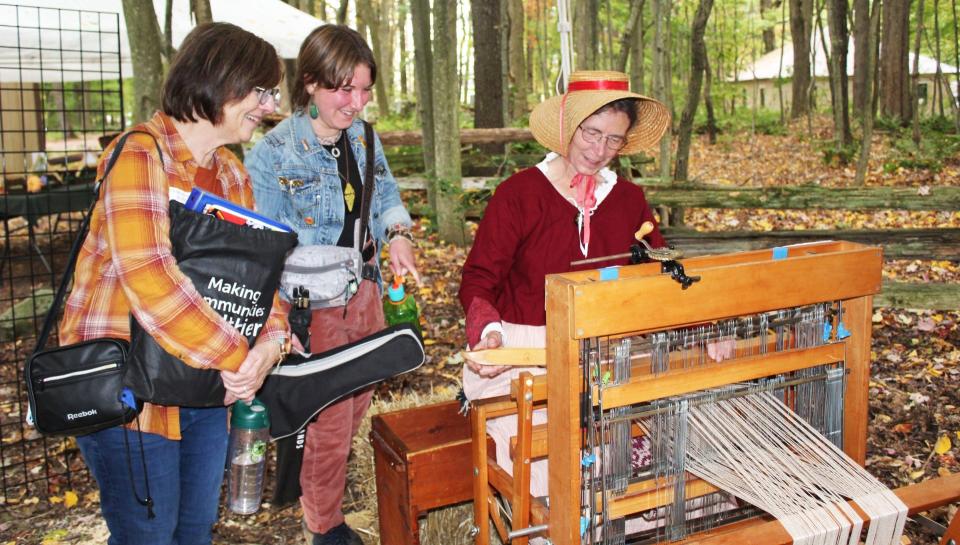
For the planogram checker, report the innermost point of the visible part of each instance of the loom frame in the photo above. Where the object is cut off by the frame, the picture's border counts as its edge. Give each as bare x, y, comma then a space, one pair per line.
580, 306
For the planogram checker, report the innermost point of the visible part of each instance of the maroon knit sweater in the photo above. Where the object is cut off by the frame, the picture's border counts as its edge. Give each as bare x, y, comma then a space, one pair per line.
529, 231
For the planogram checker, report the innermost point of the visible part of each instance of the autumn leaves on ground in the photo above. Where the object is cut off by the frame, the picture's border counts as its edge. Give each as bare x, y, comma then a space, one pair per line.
914, 423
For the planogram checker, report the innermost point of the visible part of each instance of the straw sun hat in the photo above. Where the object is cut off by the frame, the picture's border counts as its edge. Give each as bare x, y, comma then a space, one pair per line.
588, 91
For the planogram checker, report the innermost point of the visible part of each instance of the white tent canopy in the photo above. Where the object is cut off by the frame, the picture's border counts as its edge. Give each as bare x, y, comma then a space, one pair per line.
768, 66
51, 41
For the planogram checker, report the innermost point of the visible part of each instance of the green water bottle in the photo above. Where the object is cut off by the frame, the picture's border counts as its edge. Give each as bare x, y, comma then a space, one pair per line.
399, 307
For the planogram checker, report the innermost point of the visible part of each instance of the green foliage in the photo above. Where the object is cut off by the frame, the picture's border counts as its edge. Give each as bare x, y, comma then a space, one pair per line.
939, 144
838, 155
85, 107
407, 121
936, 149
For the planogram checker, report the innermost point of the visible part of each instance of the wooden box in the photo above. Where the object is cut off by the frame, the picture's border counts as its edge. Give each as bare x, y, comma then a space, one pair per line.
423, 461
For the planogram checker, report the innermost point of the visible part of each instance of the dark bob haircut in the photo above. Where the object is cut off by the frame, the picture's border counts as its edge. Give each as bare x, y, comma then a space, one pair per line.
328, 58
217, 63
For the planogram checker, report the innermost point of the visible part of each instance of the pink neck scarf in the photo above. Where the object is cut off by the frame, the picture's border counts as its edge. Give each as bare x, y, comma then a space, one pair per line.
585, 187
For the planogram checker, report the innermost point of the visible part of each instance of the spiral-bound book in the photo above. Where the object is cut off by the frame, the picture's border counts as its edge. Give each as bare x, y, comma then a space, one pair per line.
208, 203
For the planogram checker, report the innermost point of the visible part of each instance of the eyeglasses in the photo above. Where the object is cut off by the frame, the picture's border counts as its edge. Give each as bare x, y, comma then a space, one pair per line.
592, 136
264, 94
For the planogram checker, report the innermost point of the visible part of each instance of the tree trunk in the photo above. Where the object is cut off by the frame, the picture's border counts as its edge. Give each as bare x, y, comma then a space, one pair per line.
145, 48
956, 53
168, 31
585, 34
768, 35
839, 38
637, 54
915, 80
289, 79
661, 60
938, 87
801, 29
780, 101
894, 72
517, 63
708, 101
488, 101
201, 11
370, 16
868, 107
450, 218
402, 27
698, 63
636, 7
387, 31
862, 46
342, 12
423, 65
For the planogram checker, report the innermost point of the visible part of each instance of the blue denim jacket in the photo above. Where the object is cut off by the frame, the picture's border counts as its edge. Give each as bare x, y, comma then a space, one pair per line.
311, 198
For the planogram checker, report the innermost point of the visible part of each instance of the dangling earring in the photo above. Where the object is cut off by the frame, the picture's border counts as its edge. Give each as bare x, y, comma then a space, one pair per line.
314, 112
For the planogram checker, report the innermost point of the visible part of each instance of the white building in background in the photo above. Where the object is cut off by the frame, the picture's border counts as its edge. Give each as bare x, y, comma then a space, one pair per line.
758, 81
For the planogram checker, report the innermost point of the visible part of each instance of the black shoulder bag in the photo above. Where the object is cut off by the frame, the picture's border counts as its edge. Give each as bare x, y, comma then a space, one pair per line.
78, 388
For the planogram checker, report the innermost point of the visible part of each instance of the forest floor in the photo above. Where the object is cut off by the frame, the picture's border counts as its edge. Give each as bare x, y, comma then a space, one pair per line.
914, 424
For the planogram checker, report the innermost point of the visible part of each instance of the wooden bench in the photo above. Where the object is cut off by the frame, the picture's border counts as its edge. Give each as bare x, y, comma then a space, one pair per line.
423, 461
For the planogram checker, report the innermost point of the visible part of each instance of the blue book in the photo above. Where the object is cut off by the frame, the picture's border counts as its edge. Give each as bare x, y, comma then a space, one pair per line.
208, 203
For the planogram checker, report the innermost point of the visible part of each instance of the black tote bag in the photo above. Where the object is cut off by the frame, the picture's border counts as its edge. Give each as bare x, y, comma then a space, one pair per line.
237, 271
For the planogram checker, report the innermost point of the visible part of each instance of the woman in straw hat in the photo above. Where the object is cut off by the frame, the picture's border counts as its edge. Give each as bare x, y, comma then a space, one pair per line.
568, 207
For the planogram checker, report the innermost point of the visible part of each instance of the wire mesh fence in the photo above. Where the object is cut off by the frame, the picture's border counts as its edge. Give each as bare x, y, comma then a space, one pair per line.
61, 100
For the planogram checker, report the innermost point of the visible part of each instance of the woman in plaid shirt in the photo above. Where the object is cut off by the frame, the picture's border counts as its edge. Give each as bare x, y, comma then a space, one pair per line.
218, 88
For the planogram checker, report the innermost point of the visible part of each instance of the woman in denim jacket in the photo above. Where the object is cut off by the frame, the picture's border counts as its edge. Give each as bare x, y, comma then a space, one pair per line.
307, 173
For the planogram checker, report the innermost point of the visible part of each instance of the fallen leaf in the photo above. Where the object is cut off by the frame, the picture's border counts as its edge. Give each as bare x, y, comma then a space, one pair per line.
914, 475
943, 472
943, 445
903, 427
70, 497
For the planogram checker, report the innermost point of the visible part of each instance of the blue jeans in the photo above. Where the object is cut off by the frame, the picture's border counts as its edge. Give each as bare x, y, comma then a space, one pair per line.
185, 478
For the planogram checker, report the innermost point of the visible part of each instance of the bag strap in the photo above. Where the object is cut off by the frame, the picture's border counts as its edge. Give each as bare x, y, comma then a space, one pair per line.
368, 183
81, 236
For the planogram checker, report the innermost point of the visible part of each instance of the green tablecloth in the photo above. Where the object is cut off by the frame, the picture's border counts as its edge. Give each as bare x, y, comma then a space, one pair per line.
70, 198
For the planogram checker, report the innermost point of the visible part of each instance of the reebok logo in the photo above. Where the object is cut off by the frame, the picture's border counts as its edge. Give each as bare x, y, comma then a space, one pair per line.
81, 414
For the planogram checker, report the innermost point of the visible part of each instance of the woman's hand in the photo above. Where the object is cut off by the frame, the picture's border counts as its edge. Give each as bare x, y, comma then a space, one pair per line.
244, 383
494, 339
402, 261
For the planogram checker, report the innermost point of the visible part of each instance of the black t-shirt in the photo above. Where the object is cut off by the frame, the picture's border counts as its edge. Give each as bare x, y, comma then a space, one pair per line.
352, 186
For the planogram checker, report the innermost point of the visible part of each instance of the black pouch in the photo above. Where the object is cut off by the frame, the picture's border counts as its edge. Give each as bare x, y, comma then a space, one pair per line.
77, 389
237, 270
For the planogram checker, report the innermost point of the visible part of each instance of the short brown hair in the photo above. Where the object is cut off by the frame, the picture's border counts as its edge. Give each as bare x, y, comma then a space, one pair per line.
328, 58
623, 105
217, 63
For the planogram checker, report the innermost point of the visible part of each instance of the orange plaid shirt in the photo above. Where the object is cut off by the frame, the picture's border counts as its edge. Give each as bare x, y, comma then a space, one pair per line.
126, 264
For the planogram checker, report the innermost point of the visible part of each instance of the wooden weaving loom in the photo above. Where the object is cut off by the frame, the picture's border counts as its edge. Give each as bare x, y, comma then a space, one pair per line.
618, 354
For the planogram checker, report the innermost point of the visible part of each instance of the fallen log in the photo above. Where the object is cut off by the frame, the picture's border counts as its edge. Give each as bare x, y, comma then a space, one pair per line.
933, 296
690, 195
938, 244
467, 136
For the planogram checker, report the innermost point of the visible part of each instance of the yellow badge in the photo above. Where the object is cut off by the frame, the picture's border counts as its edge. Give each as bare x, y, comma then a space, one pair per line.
349, 196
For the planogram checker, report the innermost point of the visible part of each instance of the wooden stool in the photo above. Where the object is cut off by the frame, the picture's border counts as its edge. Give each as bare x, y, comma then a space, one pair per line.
423, 461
